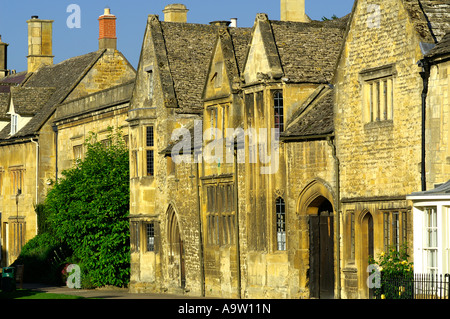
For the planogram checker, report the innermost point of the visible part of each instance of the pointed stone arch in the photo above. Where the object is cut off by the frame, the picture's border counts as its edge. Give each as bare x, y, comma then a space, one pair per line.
309, 199
366, 247
315, 208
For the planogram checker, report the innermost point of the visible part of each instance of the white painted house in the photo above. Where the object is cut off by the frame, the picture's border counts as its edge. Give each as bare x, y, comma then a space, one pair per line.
431, 214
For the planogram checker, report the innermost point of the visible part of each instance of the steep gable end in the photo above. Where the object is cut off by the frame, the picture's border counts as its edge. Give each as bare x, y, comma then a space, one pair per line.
262, 59
161, 62
226, 62
219, 75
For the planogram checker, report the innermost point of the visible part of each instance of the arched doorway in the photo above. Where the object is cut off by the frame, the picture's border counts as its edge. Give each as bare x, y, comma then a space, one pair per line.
367, 237
176, 250
321, 249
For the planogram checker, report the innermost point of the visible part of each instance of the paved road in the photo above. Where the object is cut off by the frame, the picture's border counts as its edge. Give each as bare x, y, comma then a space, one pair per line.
104, 293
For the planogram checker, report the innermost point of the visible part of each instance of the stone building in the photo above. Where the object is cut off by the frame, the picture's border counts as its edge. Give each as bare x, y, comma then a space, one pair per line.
32, 150
379, 130
431, 206
217, 221
164, 215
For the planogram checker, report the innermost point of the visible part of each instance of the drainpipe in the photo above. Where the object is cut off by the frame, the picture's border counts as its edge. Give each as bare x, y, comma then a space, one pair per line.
425, 74
37, 177
55, 129
338, 210
238, 244
202, 266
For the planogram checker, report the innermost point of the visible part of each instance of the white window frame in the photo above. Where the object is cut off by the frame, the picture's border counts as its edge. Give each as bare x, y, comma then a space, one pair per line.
443, 237
14, 123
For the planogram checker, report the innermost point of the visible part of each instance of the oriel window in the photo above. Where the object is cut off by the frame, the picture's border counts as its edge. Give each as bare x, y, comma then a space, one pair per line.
281, 223
278, 110
150, 151
150, 229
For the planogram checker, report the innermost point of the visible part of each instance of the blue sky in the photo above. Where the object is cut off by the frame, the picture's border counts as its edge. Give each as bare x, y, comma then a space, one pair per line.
131, 21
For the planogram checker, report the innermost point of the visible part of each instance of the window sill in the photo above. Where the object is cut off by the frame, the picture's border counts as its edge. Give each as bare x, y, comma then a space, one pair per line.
379, 125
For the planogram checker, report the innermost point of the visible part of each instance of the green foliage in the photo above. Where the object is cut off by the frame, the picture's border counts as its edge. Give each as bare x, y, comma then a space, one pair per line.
41, 213
84, 219
396, 273
333, 17
88, 210
42, 257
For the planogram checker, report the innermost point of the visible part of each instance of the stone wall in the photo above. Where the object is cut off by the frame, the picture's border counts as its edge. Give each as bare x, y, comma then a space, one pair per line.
380, 159
437, 126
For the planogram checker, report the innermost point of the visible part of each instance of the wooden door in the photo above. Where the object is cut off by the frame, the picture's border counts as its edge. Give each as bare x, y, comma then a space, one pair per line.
321, 268
326, 256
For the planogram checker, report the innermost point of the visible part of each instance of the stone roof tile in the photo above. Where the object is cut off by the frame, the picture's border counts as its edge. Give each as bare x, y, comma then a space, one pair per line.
61, 77
316, 117
309, 51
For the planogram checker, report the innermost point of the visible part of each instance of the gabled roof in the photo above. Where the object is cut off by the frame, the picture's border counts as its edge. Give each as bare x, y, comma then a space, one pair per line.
11, 80
442, 48
29, 100
314, 117
240, 38
439, 190
309, 51
302, 52
234, 43
183, 52
189, 48
61, 78
4, 105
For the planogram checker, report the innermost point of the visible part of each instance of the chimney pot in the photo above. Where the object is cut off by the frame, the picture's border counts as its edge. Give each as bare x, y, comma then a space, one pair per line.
107, 31
233, 23
34, 17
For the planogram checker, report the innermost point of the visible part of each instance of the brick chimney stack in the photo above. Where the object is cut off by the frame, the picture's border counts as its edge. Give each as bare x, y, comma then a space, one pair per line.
3, 58
107, 31
175, 13
293, 10
39, 43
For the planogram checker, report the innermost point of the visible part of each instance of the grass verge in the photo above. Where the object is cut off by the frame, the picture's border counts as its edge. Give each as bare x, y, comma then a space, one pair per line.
29, 294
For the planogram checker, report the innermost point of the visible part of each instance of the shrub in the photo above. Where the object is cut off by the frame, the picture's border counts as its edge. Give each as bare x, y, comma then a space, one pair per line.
42, 257
396, 274
88, 210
